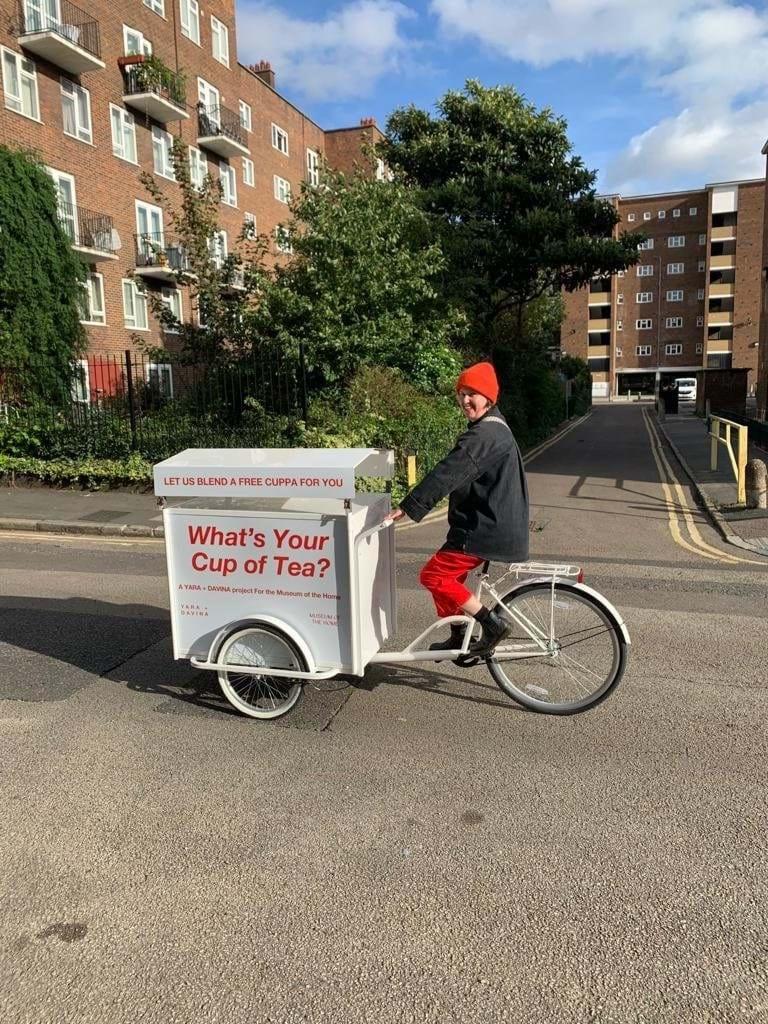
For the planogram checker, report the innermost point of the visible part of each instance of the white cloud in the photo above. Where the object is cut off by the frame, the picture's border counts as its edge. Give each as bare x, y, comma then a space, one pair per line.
709, 56
340, 57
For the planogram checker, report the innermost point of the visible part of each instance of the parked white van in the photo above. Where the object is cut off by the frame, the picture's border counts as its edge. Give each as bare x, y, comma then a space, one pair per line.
686, 389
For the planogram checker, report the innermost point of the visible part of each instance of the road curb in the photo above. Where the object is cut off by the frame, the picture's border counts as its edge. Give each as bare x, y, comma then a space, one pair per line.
720, 524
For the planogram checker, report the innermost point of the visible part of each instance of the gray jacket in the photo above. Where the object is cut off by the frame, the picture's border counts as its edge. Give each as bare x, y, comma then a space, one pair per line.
488, 506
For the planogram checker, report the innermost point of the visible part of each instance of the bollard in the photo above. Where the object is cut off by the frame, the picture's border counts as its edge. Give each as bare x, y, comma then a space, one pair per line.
411, 470
756, 484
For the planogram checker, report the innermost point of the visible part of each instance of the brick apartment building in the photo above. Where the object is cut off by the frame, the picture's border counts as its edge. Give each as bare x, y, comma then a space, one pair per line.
79, 90
692, 301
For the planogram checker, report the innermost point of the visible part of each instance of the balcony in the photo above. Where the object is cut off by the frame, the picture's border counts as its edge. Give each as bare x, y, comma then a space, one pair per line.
722, 318
599, 324
60, 33
219, 130
160, 257
599, 298
599, 351
234, 282
92, 235
722, 262
722, 290
721, 234
152, 88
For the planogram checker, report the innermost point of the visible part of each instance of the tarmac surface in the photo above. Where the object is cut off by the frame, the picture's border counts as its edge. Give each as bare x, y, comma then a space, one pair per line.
410, 846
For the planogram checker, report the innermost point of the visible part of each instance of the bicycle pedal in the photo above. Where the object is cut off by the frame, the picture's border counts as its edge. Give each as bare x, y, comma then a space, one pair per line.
467, 660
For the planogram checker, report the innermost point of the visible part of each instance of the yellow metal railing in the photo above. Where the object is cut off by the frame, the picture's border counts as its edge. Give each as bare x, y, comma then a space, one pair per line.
738, 459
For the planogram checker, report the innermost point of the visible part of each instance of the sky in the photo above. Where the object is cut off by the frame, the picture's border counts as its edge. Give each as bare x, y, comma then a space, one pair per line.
658, 94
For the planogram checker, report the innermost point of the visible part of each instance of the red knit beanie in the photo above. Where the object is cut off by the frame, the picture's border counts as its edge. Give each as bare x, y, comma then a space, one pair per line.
481, 378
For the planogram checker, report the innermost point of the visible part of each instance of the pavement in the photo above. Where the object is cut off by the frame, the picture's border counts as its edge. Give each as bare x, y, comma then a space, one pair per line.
688, 438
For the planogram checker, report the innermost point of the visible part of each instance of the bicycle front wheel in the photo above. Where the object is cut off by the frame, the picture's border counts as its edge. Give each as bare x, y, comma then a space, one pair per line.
585, 650
262, 696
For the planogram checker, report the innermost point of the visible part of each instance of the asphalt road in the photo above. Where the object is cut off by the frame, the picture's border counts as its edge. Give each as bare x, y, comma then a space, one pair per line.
414, 848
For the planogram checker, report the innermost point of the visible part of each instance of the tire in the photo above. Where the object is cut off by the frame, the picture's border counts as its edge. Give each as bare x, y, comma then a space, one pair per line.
563, 683
260, 696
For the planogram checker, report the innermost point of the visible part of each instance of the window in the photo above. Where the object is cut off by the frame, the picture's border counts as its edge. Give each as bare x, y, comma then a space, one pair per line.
619, 325
662, 214
210, 99
282, 189
220, 37
217, 246
160, 379
644, 297
198, 167
675, 268
620, 299
674, 321
692, 211
93, 300
81, 385
643, 325
123, 134
134, 42
646, 216
676, 213
228, 184
67, 202
702, 239
248, 171
313, 167
134, 306
674, 350
76, 110
149, 228
699, 323
643, 350
620, 274
171, 299
630, 217
675, 296
20, 85
280, 139
245, 116
249, 225
158, 6
382, 174
701, 293
702, 266
647, 244
283, 239
190, 20
645, 270
699, 345
676, 241
162, 153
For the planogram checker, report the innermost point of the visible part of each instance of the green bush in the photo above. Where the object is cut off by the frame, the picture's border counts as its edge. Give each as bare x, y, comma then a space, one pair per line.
92, 474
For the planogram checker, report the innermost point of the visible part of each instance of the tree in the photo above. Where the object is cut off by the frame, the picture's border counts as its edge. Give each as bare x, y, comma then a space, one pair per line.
363, 284
41, 285
516, 213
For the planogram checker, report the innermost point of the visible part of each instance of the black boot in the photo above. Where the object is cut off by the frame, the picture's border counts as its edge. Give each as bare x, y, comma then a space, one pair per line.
494, 629
454, 641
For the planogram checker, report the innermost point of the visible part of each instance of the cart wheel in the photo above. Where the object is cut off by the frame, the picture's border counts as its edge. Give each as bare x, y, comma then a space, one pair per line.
260, 696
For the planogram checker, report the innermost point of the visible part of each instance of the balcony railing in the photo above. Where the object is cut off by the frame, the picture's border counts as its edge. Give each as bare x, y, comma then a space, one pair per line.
64, 20
220, 130
145, 77
161, 253
88, 230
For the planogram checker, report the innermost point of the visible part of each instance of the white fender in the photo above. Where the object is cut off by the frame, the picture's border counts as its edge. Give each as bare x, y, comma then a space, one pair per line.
269, 620
565, 582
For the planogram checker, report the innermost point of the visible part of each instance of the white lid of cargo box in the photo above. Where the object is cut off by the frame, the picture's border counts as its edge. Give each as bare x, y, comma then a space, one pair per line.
270, 472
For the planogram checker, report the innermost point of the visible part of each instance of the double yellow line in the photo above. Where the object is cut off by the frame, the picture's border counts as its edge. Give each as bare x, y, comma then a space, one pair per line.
678, 509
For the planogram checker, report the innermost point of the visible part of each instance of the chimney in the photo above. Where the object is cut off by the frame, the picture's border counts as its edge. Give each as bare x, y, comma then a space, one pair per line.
367, 122
263, 70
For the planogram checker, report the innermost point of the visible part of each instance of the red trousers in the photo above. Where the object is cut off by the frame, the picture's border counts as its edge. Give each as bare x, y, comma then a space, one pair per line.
444, 576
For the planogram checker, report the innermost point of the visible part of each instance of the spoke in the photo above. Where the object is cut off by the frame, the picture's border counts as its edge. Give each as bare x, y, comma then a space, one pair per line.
583, 667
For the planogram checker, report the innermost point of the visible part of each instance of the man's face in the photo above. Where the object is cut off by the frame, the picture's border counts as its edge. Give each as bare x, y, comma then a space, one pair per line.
472, 403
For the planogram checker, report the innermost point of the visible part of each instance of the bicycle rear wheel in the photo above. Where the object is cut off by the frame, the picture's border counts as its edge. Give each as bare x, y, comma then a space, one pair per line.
258, 646
586, 650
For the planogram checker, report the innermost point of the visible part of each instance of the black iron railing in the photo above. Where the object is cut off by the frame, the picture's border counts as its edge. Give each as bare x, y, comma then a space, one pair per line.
217, 120
88, 229
141, 78
65, 20
160, 250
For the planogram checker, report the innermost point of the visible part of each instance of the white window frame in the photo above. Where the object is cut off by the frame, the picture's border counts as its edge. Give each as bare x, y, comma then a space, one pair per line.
127, 130
283, 241
150, 209
619, 353
208, 94
158, 6
692, 211
673, 323
662, 214
644, 324
630, 218
675, 295
93, 279
313, 167
246, 116
249, 176
619, 325
700, 294
643, 350
74, 94
673, 349
250, 220
645, 270
675, 241
699, 321
81, 382
67, 217
620, 299
218, 246
23, 70
620, 274
702, 266
643, 297
164, 371
138, 302
171, 298
198, 166
162, 153
220, 41
702, 239
228, 180
280, 139
282, 189
144, 44
646, 245
700, 344
646, 215
675, 268
676, 212
189, 15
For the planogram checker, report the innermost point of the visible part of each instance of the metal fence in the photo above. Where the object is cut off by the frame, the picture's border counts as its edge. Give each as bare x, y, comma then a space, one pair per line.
64, 19
124, 402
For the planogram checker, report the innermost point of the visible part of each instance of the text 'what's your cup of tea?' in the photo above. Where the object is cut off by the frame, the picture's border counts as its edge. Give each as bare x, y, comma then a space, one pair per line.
283, 551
